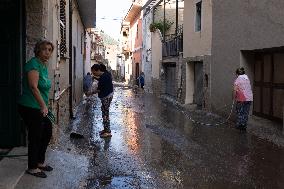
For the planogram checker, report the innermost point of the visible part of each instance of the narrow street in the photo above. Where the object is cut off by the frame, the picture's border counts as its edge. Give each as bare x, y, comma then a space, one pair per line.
155, 146
194, 61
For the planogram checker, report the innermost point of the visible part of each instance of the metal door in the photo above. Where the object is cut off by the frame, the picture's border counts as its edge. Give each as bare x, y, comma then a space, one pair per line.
269, 86
11, 49
170, 76
198, 83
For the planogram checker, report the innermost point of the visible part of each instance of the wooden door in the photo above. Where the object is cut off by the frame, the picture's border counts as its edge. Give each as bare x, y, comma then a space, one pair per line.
269, 85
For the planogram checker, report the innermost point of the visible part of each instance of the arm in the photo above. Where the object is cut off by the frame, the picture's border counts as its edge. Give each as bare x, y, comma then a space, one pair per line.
33, 77
234, 92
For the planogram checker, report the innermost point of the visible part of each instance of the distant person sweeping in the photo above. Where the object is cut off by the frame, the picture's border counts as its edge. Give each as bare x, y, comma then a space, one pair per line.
243, 97
87, 82
141, 80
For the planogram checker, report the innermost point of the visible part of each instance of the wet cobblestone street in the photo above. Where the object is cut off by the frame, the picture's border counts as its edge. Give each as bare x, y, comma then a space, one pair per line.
155, 146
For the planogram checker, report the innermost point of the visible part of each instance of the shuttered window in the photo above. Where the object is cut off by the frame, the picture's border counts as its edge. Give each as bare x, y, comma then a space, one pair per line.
63, 46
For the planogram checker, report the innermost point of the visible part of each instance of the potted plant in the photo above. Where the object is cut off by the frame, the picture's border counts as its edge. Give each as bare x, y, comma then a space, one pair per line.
160, 25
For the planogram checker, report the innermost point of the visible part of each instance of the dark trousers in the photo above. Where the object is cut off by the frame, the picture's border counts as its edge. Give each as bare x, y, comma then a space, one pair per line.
242, 109
105, 112
39, 134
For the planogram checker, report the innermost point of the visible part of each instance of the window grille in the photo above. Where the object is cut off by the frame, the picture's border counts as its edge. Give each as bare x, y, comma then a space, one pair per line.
62, 22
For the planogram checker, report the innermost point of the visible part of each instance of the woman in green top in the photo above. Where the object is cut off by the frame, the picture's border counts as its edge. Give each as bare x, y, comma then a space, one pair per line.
33, 107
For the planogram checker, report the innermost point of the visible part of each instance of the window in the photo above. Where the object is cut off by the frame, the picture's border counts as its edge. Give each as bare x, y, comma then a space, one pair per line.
198, 16
137, 31
62, 13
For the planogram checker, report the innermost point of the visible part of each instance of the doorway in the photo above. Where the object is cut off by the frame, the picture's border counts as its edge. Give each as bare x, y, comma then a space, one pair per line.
170, 76
12, 49
137, 70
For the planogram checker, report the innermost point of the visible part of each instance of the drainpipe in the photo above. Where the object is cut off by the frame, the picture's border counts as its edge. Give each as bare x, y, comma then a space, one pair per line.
164, 26
176, 18
70, 62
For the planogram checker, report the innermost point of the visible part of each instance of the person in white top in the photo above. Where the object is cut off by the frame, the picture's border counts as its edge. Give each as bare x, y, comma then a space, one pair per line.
243, 97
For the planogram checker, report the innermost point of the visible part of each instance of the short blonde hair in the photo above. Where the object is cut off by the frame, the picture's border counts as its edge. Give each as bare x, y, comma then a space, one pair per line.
40, 43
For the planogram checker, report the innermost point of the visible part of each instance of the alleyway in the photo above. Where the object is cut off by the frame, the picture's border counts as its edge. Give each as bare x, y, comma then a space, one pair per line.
154, 146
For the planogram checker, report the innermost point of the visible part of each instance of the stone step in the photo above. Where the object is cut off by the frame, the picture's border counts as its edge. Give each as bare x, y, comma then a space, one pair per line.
13, 168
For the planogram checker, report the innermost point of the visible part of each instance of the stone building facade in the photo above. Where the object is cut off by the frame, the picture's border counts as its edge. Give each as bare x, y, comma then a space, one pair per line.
30, 21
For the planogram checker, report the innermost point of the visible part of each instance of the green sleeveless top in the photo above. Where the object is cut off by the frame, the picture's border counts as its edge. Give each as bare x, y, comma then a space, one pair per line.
27, 99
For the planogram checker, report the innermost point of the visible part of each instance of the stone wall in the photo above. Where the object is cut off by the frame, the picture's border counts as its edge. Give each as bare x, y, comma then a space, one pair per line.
35, 25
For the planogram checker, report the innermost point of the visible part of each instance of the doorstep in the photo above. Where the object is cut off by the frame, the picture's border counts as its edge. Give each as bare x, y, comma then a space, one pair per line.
13, 168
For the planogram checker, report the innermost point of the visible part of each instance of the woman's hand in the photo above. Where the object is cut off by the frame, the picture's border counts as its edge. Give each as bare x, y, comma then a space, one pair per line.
44, 111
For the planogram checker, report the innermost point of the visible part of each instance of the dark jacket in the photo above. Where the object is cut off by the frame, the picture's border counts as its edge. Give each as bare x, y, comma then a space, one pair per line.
105, 85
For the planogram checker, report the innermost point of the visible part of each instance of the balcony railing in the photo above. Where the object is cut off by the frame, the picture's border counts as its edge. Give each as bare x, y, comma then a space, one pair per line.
173, 44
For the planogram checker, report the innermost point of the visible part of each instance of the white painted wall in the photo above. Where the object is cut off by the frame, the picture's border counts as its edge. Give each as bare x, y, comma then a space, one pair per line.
87, 67
157, 51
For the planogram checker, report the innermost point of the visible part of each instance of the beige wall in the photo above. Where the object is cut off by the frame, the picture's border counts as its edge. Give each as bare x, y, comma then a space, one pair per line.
157, 52
197, 43
241, 25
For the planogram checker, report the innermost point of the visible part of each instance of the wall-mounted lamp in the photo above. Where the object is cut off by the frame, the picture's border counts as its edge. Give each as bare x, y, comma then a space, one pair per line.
162, 71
